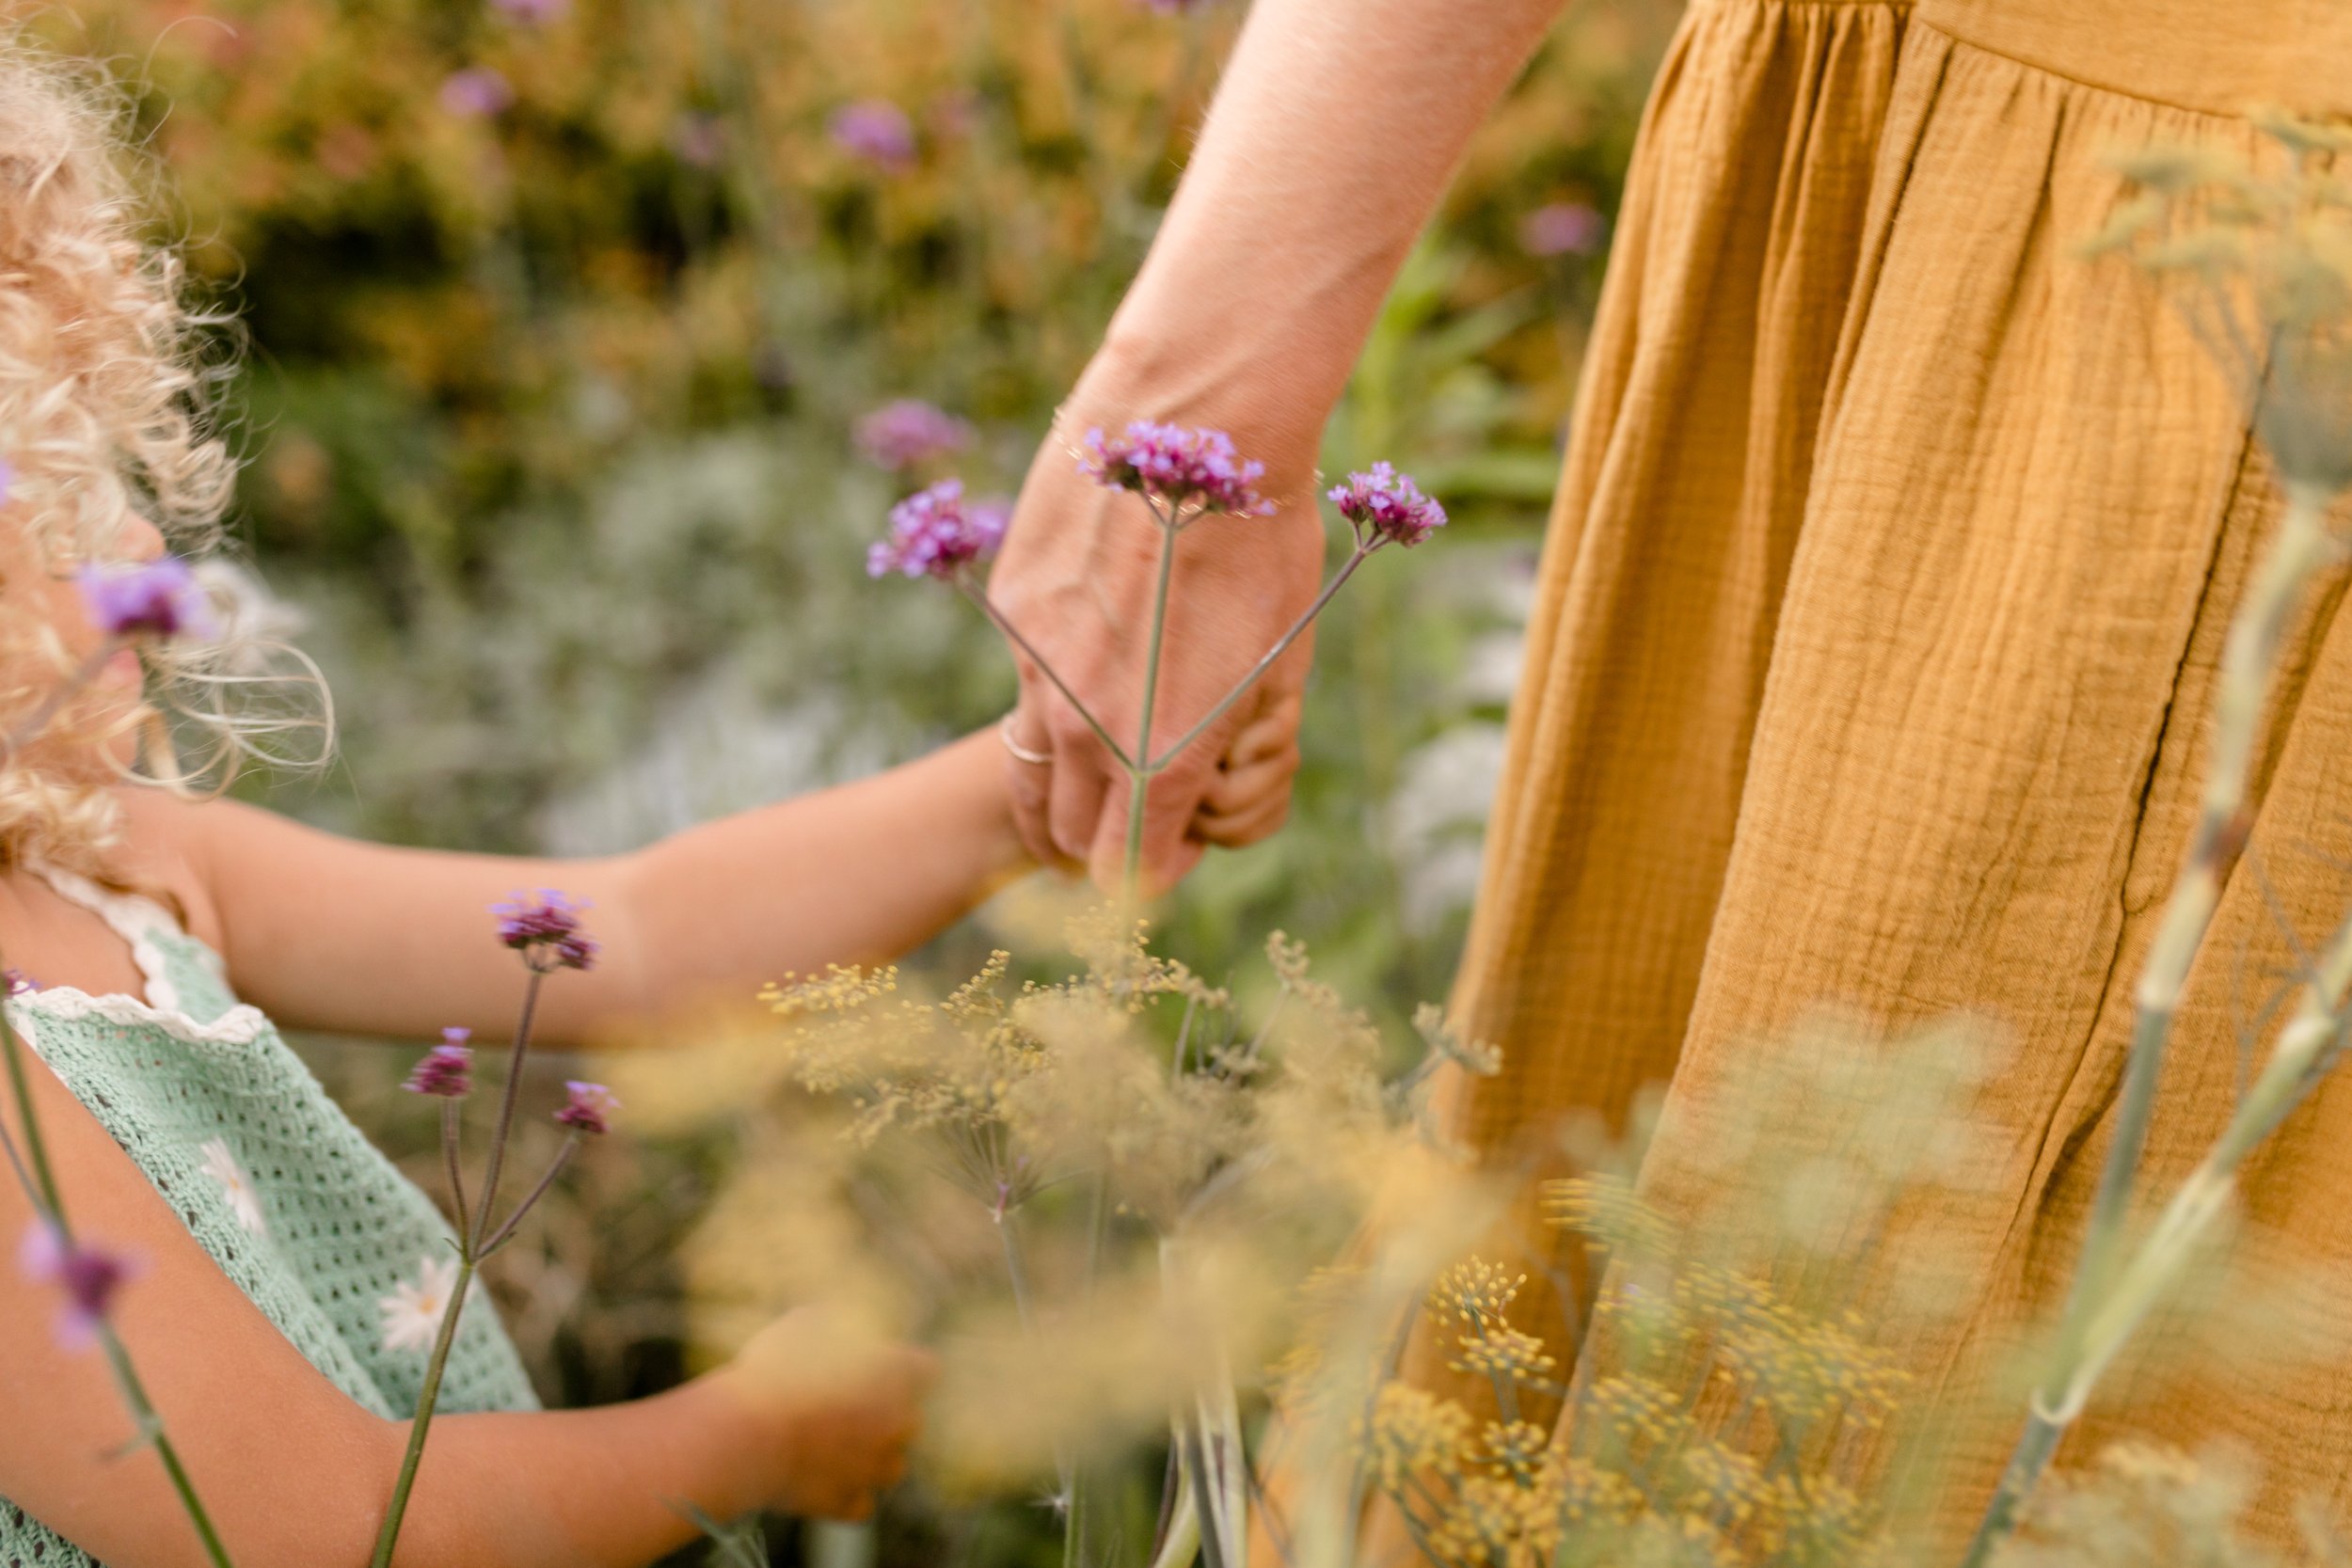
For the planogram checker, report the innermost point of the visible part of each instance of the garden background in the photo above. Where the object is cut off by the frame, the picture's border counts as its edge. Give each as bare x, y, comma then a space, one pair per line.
559, 321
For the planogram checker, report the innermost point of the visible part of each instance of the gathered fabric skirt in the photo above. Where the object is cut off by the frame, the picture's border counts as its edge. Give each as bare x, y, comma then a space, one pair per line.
1873, 656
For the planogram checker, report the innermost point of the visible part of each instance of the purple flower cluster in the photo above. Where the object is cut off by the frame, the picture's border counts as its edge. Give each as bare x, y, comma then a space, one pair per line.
533, 11
16, 982
446, 1072
545, 931
477, 92
1188, 470
151, 598
876, 131
589, 1109
1561, 229
90, 1276
936, 533
902, 434
1388, 505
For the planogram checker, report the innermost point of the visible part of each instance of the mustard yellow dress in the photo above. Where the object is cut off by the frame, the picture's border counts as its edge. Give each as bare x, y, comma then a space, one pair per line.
1876, 631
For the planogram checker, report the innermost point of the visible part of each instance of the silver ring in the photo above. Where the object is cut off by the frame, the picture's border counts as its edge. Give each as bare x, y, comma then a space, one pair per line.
1020, 752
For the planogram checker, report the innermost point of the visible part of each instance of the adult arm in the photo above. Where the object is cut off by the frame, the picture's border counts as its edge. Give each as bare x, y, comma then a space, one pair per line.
1336, 127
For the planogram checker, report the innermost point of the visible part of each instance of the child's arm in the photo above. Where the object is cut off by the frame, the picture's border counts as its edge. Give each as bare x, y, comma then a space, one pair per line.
295, 1475
326, 932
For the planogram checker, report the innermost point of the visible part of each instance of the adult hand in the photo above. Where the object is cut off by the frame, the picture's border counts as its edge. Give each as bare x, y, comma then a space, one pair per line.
1076, 579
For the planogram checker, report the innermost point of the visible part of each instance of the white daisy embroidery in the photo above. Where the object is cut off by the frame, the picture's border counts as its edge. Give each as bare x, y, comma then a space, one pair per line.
412, 1313
244, 1200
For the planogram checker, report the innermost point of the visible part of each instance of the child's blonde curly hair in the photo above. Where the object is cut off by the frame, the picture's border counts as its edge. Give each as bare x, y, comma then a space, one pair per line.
109, 367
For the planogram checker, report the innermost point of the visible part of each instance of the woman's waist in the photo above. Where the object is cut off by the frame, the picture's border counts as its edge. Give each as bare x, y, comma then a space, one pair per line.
2213, 57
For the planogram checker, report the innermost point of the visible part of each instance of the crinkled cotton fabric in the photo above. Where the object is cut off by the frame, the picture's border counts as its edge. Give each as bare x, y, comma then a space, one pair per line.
1874, 651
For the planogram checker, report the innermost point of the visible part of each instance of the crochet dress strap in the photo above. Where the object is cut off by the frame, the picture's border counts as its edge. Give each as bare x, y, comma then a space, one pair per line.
184, 979
344, 1255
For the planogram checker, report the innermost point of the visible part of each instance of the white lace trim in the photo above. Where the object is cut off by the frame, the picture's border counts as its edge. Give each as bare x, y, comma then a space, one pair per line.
240, 1025
137, 921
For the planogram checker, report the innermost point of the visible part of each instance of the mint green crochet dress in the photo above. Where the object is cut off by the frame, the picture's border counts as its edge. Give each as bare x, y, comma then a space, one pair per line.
343, 1253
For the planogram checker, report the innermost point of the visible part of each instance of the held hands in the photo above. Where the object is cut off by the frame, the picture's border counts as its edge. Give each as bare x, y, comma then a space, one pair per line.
841, 1407
1078, 576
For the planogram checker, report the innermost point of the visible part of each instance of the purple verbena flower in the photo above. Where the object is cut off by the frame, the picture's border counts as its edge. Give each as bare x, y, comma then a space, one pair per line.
16, 982
902, 434
875, 129
158, 599
1188, 470
91, 1277
446, 1072
1561, 229
545, 931
477, 92
935, 532
590, 1107
1388, 505
533, 11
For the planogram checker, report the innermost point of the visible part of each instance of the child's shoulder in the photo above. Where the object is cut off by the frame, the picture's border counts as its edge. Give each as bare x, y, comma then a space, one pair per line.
164, 850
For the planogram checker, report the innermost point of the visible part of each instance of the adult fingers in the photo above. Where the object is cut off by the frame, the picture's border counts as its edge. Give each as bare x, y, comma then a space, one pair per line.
1239, 830
1030, 786
1079, 788
1169, 853
1238, 788
1271, 729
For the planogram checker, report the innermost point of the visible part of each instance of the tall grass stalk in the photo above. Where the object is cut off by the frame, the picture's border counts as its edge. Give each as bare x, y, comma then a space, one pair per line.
2112, 1295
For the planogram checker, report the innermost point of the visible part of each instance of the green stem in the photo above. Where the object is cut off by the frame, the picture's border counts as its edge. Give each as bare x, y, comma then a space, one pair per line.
143, 1411
1257, 671
2105, 1302
474, 1232
426, 1398
449, 1156
1131, 873
36, 1149
505, 1233
1012, 634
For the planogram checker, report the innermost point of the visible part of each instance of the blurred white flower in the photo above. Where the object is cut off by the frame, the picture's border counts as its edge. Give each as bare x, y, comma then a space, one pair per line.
222, 1167
412, 1313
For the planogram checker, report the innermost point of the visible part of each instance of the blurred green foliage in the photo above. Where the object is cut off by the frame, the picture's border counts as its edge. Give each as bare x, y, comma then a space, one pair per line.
548, 402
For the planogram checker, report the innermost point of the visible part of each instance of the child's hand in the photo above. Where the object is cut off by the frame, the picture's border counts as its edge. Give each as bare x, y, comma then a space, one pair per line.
1249, 796
844, 1406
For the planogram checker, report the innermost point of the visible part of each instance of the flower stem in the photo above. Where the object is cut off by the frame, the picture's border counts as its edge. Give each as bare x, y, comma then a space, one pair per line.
152, 1425
506, 1116
41, 1183
36, 1149
426, 1398
1139, 777
1012, 634
2109, 1296
555, 1168
1257, 671
449, 1155
1064, 1474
